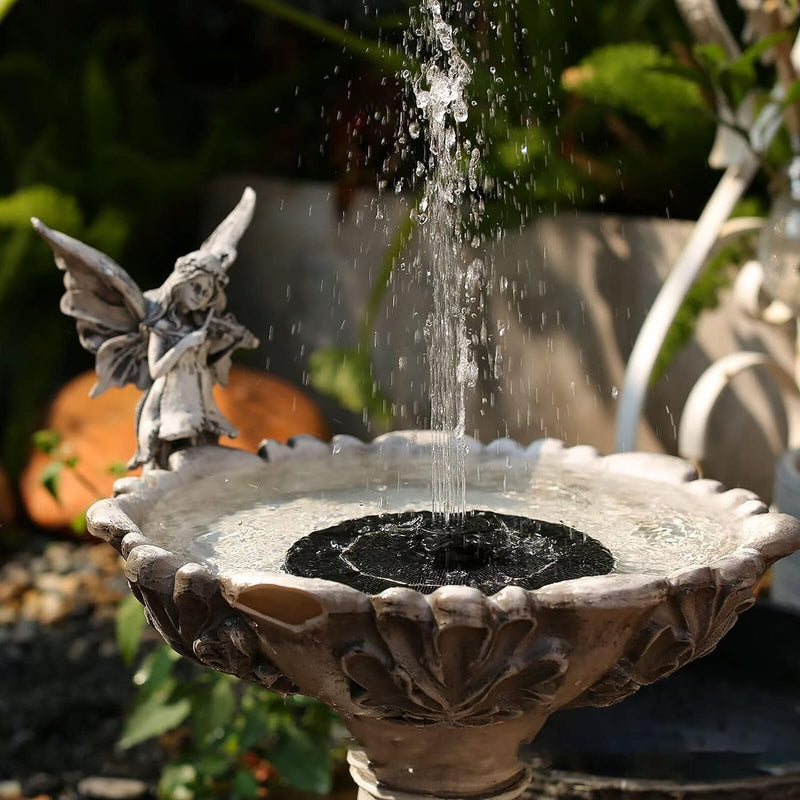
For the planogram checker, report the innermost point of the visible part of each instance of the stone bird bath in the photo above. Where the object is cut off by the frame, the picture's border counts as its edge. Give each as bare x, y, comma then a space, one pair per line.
439, 689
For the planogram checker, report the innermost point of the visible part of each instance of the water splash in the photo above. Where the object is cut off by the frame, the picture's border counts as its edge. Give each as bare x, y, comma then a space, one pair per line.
439, 92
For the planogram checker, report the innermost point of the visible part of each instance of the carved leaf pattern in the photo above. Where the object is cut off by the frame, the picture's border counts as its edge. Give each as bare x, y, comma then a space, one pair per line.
186, 607
458, 674
688, 626
233, 648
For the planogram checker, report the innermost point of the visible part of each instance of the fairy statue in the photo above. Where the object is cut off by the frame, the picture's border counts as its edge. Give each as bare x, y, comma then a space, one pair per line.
174, 342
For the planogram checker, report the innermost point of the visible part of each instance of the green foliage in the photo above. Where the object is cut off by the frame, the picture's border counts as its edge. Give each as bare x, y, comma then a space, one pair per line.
130, 624
50, 476
228, 738
641, 80
5, 7
717, 274
47, 441
346, 375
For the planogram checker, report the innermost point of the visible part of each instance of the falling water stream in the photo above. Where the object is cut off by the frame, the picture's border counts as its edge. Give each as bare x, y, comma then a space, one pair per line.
439, 91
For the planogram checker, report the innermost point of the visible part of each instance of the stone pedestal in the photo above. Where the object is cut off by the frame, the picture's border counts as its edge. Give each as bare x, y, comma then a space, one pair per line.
401, 762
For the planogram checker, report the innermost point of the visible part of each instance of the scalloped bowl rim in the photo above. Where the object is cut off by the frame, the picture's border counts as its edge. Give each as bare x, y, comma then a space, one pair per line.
768, 535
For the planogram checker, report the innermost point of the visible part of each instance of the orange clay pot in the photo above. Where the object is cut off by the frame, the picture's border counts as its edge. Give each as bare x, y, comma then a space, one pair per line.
100, 433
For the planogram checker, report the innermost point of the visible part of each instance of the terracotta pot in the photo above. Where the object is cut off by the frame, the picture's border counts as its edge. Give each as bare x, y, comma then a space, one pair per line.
100, 433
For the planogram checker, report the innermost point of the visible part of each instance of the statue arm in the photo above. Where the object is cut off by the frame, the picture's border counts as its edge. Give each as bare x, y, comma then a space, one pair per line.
162, 358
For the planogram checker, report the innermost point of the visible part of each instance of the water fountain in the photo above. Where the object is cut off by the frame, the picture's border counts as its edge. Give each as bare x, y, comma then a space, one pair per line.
545, 577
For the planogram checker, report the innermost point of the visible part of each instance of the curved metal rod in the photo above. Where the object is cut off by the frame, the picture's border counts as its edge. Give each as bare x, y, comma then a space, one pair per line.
704, 237
693, 428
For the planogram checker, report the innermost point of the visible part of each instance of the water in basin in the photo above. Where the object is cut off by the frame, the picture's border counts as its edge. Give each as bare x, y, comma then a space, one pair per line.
249, 520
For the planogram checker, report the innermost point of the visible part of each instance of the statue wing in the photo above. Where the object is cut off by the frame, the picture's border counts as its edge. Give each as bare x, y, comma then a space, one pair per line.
108, 307
225, 239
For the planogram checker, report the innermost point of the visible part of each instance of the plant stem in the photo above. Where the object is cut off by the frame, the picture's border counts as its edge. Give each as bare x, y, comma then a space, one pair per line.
384, 56
787, 75
381, 283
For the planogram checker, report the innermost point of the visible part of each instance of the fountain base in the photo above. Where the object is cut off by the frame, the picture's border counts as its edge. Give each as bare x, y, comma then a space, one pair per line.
406, 762
485, 550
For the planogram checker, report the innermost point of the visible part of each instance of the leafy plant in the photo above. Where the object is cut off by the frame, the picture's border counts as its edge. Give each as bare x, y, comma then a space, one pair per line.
62, 457
223, 737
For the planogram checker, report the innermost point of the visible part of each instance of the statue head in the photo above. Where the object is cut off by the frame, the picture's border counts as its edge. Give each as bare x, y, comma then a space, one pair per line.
197, 282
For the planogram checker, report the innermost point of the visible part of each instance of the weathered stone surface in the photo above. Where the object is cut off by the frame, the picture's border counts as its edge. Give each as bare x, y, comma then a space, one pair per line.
102, 788
441, 689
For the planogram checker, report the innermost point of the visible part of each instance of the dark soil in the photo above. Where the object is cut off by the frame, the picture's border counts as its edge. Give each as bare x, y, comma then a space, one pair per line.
64, 689
64, 692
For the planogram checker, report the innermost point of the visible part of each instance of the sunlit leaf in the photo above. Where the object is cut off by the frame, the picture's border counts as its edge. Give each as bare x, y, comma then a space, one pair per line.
176, 782
630, 77
153, 718
78, 524
46, 441
50, 478
54, 207
154, 675
130, 625
385, 57
5, 7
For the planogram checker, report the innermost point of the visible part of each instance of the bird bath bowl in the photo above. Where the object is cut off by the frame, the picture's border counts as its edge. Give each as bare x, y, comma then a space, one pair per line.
439, 686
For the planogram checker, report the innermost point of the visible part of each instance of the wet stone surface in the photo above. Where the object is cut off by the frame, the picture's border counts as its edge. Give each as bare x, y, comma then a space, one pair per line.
486, 550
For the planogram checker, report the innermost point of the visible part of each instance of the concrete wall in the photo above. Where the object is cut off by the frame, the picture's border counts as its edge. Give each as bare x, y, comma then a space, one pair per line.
563, 304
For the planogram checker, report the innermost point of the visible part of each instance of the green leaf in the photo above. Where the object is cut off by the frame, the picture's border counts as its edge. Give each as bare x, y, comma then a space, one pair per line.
212, 765
631, 77
304, 762
78, 524
5, 7
256, 725
153, 718
177, 781
213, 711
792, 94
56, 209
346, 375
385, 57
394, 253
244, 785
130, 625
754, 52
46, 441
118, 468
704, 295
50, 476
522, 147
155, 673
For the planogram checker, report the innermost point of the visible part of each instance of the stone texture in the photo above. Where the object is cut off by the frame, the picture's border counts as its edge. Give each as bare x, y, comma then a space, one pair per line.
431, 683
102, 788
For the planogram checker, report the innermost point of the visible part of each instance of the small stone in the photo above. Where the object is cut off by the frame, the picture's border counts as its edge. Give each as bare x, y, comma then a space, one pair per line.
77, 649
54, 608
14, 579
100, 788
104, 558
8, 613
24, 631
10, 790
60, 557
